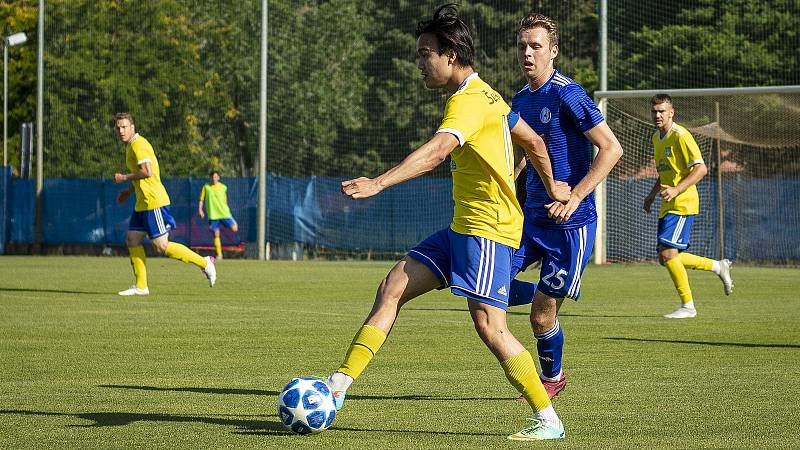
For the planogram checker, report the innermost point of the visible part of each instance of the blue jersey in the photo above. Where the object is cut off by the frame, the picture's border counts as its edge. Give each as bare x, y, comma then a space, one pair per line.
560, 111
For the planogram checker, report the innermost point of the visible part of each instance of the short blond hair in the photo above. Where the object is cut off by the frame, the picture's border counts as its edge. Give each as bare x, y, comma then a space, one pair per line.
122, 116
535, 20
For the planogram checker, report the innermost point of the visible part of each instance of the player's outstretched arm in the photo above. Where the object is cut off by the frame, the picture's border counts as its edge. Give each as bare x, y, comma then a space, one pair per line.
524, 136
669, 193
419, 162
145, 171
609, 151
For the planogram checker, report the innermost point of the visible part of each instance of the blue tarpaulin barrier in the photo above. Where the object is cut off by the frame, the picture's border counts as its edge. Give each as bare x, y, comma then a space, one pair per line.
312, 211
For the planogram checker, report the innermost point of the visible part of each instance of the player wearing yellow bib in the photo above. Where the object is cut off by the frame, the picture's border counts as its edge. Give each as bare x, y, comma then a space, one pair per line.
473, 255
215, 197
151, 215
680, 167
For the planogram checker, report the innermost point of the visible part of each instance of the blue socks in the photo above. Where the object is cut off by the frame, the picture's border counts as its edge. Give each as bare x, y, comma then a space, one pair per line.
550, 346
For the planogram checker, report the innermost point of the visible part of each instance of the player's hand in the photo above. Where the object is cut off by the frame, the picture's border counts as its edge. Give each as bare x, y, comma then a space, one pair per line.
119, 178
668, 193
648, 202
561, 192
561, 212
362, 187
122, 197
201, 213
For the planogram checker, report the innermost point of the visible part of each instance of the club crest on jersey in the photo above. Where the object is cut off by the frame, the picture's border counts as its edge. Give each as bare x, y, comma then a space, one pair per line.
545, 115
668, 151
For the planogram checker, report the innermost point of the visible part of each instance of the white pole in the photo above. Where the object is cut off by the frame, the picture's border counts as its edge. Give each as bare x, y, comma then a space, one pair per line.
39, 121
600, 191
262, 140
5, 102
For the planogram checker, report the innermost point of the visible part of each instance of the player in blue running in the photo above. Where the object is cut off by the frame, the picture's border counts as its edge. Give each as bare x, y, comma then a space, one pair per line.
473, 255
560, 235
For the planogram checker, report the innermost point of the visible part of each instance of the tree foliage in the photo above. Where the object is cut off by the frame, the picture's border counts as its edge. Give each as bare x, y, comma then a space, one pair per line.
344, 96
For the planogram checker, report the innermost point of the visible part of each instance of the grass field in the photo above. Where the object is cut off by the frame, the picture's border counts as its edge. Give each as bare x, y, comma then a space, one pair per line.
193, 367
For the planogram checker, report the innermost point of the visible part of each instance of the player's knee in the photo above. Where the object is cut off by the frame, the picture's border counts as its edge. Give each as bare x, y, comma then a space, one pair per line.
388, 292
160, 247
235, 228
542, 322
663, 257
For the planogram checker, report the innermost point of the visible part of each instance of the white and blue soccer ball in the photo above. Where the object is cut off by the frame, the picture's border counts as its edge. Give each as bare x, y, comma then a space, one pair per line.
305, 405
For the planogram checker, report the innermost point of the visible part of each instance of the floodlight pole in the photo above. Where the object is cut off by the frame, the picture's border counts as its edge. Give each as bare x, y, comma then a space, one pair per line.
8, 41
262, 141
600, 196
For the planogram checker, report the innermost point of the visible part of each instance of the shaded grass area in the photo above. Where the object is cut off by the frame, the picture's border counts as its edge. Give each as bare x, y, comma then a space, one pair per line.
194, 367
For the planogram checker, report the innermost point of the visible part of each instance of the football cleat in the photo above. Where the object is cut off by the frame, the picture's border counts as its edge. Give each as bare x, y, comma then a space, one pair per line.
338, 399
552, 387
133, 290
725, 275
210, 271
682, 313
540, 430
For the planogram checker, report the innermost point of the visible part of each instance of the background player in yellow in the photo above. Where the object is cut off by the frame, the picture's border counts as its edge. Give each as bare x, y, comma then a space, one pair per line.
680, 167
215, 197
151, 215
473, 255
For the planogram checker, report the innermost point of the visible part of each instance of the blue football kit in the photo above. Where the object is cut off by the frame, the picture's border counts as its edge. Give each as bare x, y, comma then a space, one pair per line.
561, 112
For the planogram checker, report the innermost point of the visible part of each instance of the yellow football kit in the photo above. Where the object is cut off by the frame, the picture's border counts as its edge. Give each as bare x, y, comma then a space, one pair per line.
483, 166
675, 155
150, 193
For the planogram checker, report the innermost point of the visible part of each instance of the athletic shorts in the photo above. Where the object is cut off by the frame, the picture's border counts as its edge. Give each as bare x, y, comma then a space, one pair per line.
227, 222
563, 253
674, 231
472, 266
155, 222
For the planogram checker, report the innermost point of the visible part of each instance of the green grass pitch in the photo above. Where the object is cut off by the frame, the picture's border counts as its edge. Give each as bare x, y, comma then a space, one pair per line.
194, 367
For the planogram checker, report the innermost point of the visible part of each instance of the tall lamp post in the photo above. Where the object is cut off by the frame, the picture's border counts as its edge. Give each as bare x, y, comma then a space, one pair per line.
8, 41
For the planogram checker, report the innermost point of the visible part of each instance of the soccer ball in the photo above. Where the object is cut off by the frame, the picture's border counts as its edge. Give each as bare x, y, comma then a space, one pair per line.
305, 405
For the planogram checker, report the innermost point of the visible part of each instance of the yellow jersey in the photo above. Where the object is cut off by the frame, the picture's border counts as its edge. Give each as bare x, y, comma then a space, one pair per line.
675, 155
150, 193
483, 165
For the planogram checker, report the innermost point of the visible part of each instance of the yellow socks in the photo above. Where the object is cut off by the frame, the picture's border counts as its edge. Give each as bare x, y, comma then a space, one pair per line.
679, 278
695, 262
181, 252
367, 341
218, 246
521, 372
138, 260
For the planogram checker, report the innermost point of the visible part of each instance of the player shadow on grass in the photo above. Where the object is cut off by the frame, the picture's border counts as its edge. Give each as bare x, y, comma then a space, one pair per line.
522, 310
229, 391
243, 426
714, 344
54, 291
116, 419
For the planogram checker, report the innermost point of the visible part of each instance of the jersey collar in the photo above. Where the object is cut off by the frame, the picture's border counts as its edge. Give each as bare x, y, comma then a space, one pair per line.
671, 127
533, 91
464, 83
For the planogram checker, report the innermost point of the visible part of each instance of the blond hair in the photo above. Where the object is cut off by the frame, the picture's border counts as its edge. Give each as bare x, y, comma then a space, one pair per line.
535, 20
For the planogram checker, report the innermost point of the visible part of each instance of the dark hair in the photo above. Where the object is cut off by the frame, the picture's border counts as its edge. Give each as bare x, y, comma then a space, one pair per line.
534, 20
661, 98
451, 32
123, 115
212, 173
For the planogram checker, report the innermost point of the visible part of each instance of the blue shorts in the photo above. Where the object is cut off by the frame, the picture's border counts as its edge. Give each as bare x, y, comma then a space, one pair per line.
473, 267
564, 254
674, 231
227, 222
155, 222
